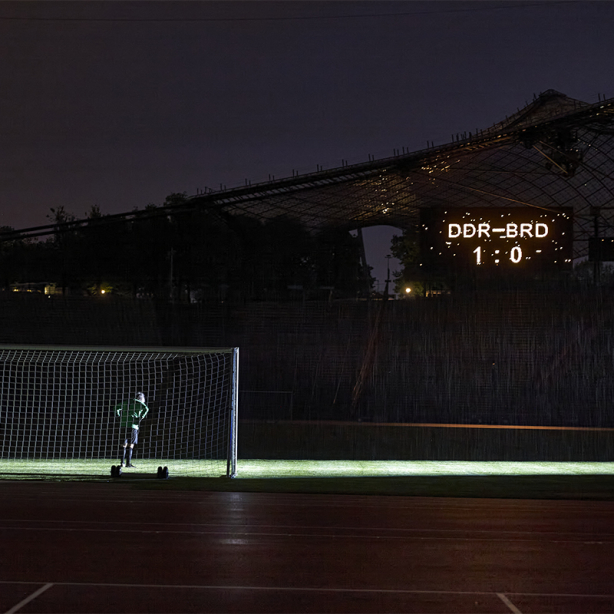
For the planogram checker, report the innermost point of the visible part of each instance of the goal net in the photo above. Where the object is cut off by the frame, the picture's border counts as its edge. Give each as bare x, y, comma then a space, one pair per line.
69, 410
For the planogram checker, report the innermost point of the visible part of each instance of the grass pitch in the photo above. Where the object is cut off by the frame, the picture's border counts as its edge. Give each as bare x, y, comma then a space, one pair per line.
498, 479
280, 469
250, 469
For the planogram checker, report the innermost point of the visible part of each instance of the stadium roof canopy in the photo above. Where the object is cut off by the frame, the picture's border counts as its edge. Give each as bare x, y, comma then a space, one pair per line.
555, 152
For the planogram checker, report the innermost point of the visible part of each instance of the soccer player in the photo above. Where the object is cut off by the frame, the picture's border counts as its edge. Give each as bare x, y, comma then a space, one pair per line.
131, 413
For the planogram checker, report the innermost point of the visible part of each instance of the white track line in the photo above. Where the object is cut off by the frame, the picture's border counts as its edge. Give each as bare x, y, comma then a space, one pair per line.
248, 527
294, 589
34, 595
508, 603
310, 500
259, 588
497, 537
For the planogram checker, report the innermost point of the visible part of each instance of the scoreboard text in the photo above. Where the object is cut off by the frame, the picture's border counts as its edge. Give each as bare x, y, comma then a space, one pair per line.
508, 238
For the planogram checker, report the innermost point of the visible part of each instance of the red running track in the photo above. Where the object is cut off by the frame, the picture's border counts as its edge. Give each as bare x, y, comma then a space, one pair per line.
73, 547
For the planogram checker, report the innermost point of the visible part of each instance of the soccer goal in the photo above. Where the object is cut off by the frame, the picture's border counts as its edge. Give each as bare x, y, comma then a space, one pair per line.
79, 410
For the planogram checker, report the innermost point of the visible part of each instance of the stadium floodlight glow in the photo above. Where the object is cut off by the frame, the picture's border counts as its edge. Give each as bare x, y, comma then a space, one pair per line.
407, 290
58, 402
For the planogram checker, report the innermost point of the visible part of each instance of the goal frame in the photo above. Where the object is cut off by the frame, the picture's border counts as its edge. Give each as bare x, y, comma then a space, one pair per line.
232, 447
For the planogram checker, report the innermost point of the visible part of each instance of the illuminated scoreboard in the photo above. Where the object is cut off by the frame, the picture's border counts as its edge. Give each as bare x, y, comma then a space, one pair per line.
507, 238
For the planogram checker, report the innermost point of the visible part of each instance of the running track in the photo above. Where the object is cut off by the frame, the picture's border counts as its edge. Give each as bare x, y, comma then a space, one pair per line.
72, 547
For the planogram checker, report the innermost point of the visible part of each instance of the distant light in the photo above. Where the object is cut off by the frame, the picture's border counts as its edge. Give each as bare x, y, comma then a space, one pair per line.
102, 291
407, 290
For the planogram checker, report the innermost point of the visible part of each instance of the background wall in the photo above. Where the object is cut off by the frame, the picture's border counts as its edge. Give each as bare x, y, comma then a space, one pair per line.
498, 357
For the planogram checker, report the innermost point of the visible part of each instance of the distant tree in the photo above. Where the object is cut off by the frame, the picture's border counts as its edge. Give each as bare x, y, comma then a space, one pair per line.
286, 257
206, 254
64, 252
202, 252
406, 249
105, 253
9, 258
248, 277
338, 262
150, 243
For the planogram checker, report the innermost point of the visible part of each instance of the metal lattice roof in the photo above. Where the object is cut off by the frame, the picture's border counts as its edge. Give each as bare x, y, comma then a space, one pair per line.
556, 152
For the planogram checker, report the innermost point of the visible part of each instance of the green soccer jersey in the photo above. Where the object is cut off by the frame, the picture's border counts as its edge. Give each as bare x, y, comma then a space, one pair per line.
131, 413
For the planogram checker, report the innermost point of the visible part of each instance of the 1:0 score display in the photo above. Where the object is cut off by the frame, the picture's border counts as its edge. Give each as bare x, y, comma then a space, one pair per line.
514, 237
510, 230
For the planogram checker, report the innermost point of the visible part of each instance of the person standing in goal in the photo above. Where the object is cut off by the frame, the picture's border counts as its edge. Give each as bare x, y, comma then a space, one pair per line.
131, 414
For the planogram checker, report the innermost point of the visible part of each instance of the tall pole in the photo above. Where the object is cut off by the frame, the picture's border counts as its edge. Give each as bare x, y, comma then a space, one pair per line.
365, 267
387, 277
231, 459
597, 262
170, 278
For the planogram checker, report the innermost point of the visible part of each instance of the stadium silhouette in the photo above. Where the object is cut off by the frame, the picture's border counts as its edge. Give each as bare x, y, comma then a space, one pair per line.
555, 152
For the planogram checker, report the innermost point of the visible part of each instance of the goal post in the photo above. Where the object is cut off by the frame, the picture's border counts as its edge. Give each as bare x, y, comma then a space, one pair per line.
71, 409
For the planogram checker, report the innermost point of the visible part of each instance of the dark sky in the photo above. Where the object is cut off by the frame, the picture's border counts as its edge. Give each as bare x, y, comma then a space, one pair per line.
118, 104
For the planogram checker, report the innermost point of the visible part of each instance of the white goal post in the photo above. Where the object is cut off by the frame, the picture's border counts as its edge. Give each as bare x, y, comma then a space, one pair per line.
63, 403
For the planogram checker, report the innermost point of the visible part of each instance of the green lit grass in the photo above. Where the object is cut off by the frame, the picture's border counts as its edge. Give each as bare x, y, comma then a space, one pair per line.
297, 469
278, 469
80, 469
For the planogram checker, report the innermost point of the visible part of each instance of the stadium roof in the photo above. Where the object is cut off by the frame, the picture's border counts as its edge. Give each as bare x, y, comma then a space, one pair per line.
555, 152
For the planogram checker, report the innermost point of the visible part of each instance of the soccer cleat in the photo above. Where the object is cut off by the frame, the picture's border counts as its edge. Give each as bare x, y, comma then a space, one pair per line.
131, 465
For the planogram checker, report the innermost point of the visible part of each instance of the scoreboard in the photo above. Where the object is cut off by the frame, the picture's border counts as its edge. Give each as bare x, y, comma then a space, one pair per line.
489, 238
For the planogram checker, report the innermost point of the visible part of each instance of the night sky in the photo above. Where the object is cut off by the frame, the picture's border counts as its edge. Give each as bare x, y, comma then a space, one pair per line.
118, 104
